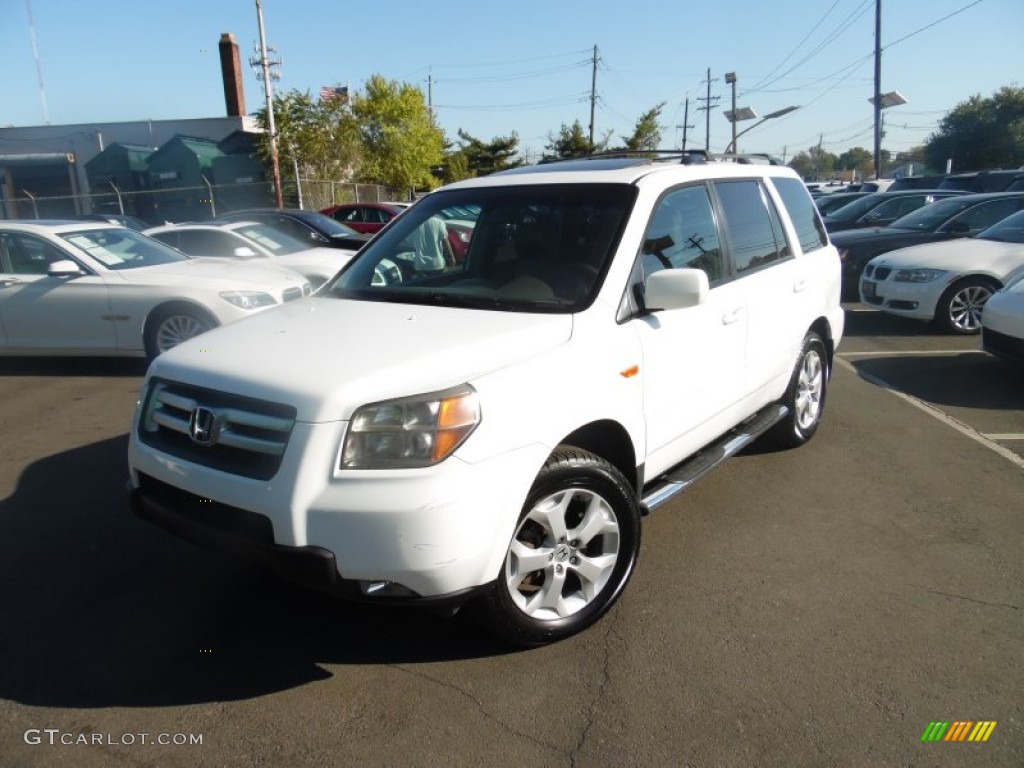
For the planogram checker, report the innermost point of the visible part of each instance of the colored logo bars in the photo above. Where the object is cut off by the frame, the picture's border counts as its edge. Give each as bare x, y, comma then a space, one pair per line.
959, 730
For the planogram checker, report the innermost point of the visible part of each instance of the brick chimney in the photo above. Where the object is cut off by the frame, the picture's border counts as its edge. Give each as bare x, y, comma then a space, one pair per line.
231, 71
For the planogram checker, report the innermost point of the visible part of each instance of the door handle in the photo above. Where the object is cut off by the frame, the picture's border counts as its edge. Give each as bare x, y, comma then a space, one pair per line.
799, 285
731, 317
6, 281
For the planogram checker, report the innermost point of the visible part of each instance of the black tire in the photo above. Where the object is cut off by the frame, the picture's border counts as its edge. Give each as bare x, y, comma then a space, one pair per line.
805, 396
572, 581
170, 325
959, 309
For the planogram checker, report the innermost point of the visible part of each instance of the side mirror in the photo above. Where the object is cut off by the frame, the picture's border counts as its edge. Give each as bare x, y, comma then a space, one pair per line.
64, 268
675, 289
244, 252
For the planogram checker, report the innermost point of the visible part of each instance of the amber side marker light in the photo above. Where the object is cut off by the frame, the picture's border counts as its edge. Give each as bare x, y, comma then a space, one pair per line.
456, 418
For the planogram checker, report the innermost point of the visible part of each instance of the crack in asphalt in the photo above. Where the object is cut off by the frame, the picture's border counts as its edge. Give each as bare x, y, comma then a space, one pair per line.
968, 599
481, 709
603, 683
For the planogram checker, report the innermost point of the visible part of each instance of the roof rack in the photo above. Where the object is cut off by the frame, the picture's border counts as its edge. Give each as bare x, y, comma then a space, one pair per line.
684, 156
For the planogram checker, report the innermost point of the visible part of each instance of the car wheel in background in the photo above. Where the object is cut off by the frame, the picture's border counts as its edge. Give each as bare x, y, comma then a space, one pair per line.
168, 326
959, 308
573, 551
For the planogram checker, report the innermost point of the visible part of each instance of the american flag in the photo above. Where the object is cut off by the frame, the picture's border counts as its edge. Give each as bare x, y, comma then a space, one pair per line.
329, 92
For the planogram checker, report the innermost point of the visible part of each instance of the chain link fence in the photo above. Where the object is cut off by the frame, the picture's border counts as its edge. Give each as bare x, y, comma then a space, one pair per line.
177, 204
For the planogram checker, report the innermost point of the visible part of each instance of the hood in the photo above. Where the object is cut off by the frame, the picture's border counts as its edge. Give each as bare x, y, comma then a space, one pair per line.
218, 274
961, 255
324, 261
327, 356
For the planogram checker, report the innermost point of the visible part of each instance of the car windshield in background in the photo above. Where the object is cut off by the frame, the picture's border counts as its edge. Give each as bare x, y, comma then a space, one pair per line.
274, 240
123, 248
327, 224
854, 210
930, 217
1009, 230
538, 248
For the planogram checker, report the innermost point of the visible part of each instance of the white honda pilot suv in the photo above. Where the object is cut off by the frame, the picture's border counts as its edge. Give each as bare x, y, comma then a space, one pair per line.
485, 402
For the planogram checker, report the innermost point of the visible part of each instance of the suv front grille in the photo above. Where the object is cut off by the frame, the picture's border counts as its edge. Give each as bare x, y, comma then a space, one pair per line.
239, 435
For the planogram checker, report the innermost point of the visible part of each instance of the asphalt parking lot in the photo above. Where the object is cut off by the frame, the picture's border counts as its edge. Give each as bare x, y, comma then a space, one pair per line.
805, 608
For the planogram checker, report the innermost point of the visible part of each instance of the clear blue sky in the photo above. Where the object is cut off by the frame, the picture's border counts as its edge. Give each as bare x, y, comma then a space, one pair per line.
525, 66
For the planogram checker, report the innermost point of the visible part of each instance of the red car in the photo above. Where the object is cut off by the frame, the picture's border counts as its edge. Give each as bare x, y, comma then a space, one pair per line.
364, 217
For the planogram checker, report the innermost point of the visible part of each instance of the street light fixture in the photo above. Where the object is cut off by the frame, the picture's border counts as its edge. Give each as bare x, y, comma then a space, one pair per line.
770, 116
880, 102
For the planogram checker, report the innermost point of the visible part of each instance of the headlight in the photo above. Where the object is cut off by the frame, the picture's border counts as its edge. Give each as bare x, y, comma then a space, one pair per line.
917, 275
248, 299
414, 431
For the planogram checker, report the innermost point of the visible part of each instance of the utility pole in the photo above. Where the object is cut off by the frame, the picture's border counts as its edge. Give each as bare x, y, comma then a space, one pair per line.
593, 94
268, 89
878, 89
430, 95
707, 107
730, 79
686, 121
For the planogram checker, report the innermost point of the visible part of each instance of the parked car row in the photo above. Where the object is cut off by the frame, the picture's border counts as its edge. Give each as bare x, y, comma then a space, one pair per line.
77, 287
955, 217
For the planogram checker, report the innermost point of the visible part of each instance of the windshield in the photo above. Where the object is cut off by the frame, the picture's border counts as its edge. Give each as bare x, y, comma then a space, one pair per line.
123, 248
274, 240
856, 209
931, 217
327, 224
542, 248
1009, 230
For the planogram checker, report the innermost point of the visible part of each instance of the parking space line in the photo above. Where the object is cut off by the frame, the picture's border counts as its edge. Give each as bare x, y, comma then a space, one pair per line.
1011, 436
931, 410
911, 352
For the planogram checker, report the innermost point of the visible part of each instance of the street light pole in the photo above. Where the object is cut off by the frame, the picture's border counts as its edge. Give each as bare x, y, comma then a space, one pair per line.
770, 116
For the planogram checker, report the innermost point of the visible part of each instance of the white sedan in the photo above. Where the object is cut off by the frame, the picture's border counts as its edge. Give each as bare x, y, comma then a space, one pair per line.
948, 282
77, 288
253, 240
1002, 324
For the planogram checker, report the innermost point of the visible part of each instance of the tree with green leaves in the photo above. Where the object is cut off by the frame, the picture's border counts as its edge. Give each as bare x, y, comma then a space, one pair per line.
814, 164
318, 137
981, 133
856, 159
647, 133
401, 144
570, 142
483, 158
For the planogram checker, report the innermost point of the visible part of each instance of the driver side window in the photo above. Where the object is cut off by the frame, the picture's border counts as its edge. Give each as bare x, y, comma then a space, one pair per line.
27, 255
683, 233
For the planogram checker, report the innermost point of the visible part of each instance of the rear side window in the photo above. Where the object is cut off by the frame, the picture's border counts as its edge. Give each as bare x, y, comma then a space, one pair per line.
755, 236
810, 232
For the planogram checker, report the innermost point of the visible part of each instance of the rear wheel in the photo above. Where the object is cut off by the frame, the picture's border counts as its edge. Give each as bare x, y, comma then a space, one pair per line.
959, 309
805, 397
573, 551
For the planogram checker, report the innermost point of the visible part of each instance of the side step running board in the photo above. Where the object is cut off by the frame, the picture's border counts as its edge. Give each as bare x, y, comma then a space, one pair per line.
682, 476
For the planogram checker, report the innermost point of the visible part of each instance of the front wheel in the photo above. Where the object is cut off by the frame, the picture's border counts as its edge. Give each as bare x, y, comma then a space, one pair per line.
573, 551
805, 396
170, 326
959, 309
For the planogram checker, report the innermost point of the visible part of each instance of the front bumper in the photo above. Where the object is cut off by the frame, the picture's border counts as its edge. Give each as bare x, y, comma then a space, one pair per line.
250, 536
435, 533
915, 300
